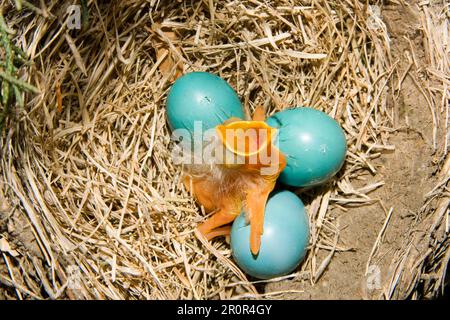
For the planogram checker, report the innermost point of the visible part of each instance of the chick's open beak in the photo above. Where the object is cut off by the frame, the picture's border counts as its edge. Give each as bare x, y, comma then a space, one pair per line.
247, 144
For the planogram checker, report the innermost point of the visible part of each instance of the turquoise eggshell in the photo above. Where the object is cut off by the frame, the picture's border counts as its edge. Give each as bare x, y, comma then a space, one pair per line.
201, 96
314, 145
283, 243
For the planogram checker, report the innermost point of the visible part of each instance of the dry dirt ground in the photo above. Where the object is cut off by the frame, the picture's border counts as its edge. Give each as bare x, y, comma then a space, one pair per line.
408, 173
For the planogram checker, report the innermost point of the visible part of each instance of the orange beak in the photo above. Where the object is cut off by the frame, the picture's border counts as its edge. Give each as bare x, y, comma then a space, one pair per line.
247, 143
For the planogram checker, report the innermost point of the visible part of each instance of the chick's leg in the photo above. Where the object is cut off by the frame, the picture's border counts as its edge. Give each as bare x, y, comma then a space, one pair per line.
259, 114
257, 196
213, 227
256, 205
218, 232
229, 208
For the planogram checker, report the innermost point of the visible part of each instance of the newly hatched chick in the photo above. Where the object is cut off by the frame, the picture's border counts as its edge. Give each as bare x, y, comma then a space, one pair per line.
239, 174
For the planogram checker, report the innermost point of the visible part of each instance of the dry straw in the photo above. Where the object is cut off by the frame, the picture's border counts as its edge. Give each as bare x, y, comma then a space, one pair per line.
91, 206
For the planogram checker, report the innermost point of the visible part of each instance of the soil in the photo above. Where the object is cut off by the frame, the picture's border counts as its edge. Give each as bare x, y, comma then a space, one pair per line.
407, 173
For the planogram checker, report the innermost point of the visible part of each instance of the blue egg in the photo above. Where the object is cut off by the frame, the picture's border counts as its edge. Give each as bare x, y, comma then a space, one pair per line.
314, 145
283, 243
201, 96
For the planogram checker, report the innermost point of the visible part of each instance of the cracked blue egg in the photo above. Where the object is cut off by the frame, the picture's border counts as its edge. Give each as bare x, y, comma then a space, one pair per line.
314, 145
204, 98
284, 241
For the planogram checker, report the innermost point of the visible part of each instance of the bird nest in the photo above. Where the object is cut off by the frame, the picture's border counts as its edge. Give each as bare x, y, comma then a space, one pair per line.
91, 205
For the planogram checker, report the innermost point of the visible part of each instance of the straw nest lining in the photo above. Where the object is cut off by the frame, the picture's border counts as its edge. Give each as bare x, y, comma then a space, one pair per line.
92, 206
